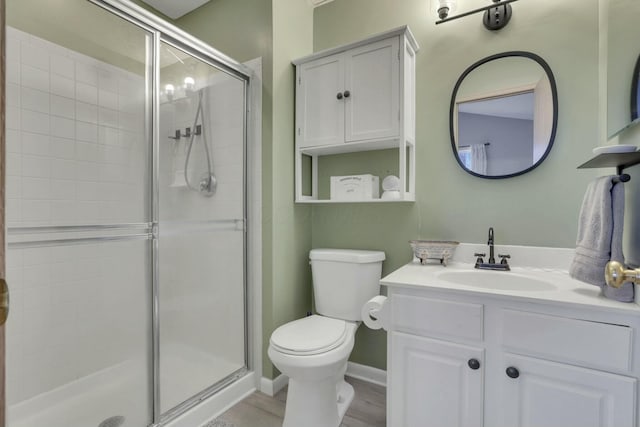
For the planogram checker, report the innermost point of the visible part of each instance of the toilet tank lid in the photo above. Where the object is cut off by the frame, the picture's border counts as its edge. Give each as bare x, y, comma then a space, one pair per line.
346, 255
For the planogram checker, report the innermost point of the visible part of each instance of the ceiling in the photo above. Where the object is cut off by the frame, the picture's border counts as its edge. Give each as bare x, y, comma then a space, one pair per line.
518, 106
174, 9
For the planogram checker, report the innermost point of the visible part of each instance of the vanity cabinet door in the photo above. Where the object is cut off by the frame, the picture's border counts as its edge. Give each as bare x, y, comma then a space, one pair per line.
320, 102
548, 394
372, 80
434, 383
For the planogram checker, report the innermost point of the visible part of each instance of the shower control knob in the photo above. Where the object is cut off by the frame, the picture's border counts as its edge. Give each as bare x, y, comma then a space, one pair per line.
339, 95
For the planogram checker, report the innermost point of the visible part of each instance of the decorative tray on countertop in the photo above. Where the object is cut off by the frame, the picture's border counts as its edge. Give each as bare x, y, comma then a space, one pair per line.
436, 250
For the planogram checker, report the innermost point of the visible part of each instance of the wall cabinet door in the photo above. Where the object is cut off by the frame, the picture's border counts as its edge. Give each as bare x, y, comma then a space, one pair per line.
350, 96
432, 385
548, 394
372, 79
320, 103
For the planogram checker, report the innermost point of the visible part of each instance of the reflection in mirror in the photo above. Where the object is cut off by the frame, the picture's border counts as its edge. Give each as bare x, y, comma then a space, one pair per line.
623, 71
505, 126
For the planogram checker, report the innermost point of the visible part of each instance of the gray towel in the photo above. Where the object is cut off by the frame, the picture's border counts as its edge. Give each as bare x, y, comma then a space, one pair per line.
600, 236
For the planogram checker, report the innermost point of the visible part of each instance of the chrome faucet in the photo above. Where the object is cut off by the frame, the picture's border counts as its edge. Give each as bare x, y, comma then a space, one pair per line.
503, 265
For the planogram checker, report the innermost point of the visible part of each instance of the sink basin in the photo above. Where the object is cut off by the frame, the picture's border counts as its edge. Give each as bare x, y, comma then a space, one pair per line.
501, 280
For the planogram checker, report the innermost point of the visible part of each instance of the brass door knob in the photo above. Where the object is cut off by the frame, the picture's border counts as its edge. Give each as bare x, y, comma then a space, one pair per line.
4, 301
615, 274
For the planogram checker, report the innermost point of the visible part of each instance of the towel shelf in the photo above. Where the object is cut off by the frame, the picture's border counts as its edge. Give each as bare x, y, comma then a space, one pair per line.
620, 161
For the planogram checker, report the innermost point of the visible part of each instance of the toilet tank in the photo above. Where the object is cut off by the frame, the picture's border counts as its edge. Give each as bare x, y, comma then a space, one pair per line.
344, 279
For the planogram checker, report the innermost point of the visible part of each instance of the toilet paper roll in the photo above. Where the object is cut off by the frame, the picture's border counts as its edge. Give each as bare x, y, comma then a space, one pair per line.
374, 313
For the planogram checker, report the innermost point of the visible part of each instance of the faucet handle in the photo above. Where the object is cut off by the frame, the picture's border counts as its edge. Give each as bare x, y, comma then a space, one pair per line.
480, 256
504, 258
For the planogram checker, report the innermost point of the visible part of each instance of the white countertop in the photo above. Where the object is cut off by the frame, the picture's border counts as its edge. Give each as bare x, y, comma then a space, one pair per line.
567, 290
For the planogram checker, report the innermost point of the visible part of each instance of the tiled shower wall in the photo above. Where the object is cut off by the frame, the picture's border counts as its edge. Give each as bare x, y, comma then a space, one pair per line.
75, 137
76, 154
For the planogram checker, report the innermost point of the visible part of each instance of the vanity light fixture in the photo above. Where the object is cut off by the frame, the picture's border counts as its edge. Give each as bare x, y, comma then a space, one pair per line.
189, 84
496, 16
445, 7
169, 90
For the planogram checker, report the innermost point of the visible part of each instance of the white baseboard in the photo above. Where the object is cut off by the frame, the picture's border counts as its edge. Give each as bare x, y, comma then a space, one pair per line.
354, 370
367, 373
272, 387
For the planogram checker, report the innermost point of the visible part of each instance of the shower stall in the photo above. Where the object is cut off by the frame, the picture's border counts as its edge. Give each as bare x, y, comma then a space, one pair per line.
126, 217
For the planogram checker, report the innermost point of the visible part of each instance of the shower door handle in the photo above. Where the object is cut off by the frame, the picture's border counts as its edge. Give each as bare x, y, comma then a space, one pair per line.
4, 301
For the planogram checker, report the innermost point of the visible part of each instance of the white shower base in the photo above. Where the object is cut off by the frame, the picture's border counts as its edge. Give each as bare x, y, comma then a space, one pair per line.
186, 371
124, 390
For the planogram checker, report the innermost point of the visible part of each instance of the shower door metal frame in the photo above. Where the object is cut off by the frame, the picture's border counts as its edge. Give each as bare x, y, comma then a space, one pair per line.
183, 407
162, 32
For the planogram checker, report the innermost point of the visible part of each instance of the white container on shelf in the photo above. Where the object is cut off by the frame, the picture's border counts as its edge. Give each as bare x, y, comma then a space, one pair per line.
355, 187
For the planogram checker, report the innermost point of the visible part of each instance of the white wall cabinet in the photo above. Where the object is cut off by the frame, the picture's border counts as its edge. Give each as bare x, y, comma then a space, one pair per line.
357, 97
538, 365
318, 106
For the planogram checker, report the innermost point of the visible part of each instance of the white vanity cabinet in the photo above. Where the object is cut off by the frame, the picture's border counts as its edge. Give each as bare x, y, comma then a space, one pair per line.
558, 394
461, 359
358, 97
434, 382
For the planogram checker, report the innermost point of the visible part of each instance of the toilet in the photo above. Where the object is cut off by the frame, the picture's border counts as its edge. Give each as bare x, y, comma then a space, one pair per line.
313, 351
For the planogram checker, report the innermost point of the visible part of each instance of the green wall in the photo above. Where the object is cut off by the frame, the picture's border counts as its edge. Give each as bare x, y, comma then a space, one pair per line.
291, 240
539, 208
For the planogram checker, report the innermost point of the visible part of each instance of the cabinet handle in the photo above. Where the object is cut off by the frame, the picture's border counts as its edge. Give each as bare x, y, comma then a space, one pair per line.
347, 94
339, 95
474, 364
512, 372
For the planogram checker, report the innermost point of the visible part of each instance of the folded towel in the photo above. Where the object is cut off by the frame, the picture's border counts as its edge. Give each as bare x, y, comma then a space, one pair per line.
600, 236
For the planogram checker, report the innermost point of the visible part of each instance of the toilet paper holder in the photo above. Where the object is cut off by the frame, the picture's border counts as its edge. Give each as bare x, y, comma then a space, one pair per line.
374, 313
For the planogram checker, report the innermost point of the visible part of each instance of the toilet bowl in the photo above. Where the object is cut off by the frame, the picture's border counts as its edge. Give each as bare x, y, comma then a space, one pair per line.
313, 351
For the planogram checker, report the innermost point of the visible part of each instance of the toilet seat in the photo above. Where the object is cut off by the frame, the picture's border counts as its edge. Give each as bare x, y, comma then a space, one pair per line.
309, 336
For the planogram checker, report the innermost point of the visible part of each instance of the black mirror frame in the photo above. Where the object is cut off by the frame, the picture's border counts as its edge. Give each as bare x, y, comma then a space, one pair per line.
634, 91
554, 93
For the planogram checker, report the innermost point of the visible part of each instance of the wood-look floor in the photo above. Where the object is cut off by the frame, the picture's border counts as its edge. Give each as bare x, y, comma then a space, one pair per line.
368, 408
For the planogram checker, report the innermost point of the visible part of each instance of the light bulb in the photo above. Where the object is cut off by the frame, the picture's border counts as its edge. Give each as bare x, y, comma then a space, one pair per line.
169, 90
189, 84
445, 7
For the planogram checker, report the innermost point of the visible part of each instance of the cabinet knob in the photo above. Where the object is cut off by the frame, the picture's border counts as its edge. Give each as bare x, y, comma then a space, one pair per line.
347, 94
512, 372
339, 95
474, 364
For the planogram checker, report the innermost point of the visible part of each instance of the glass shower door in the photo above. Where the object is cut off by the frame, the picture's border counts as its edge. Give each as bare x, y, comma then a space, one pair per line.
201, 221
78, 217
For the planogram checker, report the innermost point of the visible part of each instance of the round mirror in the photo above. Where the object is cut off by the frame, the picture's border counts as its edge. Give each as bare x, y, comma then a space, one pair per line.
504, 114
